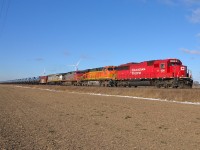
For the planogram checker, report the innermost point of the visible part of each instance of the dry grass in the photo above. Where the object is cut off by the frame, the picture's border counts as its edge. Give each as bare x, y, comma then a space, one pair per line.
190, 95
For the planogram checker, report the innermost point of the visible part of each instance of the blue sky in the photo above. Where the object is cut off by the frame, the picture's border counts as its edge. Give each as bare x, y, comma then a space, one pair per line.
52, 34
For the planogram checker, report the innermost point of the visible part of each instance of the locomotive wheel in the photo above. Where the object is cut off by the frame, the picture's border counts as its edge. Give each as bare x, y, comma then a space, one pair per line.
157, 85
181, 85
166, 85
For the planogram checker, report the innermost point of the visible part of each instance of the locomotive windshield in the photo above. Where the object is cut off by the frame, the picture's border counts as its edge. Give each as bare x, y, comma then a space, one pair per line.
111, 69
175, 63
123, 68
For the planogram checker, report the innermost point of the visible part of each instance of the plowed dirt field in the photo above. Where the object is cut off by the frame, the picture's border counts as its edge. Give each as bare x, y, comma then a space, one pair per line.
32, 118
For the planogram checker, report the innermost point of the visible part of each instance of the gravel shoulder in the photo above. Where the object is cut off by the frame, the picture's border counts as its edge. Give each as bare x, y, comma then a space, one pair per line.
181, 95
38, 119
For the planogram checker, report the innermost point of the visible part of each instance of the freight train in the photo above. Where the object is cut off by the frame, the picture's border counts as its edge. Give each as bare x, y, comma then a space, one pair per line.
167, 73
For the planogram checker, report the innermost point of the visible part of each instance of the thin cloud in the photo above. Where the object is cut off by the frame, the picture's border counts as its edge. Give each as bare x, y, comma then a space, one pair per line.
143, 1
66, 53
192, 2
168, 2
180, 2
198, 35
83, 56
194, 52
39, 59
195, 17
189, 5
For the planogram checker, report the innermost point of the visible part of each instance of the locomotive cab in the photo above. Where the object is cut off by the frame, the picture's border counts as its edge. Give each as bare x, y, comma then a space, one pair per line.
176, 69
180, 73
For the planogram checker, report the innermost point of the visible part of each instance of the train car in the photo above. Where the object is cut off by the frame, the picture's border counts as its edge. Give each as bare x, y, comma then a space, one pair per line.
34, 80
55, 78
160, 73
43, 79
102, 76
69, 78
73, 77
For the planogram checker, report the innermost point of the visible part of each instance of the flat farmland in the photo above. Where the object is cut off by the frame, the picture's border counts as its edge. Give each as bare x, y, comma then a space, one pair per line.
55, 117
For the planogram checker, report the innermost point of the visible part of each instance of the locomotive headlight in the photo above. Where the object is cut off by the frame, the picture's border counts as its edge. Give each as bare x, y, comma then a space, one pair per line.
182, 68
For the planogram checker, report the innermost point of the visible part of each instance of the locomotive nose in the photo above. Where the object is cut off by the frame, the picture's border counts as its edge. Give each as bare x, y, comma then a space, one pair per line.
183, 71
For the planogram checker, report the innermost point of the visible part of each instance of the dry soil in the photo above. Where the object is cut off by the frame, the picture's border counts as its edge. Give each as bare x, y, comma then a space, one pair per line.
31, 118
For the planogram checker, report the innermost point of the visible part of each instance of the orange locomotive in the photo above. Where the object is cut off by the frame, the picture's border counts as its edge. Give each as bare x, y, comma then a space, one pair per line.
102, 76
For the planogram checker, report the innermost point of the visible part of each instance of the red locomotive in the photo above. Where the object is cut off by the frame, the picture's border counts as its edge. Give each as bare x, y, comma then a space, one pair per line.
160, 73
